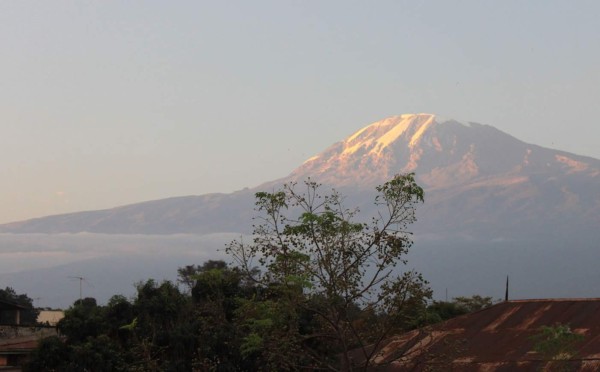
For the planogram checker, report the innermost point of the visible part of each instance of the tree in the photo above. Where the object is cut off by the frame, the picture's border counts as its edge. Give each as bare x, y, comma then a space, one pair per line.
473, 303
332, 282
163, 328
83, 320
85, 347
157, 332
218, 293
557, 345
443, 310
51, 354
187, 275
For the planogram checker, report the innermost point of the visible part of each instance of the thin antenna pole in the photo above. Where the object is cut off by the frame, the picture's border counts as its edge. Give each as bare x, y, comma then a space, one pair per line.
80, 285
506, 293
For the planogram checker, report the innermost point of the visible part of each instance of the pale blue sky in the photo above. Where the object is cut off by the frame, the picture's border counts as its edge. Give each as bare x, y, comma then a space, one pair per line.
104, 103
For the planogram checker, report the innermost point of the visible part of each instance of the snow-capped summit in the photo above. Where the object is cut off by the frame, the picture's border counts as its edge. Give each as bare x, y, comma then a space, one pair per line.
478, 181
370, 151
494, 205
377, 136
443, 153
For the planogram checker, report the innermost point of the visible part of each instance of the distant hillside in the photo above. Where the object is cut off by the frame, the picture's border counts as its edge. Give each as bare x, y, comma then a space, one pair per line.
494, 206
479, 182
186, 214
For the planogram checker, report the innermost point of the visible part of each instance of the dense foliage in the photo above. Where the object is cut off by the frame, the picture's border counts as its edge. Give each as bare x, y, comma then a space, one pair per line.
326, 292
162, 329
557, 343
439, 311
226, 324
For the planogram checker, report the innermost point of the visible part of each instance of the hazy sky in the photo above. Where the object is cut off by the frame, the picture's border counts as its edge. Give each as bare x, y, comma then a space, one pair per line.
104, 103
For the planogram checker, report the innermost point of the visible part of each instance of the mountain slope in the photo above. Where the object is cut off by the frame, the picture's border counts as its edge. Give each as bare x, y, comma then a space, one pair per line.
186, 214
494, 206
442, 153
478, 180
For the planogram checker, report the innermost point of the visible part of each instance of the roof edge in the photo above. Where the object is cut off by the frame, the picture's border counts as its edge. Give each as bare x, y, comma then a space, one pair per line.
580, 299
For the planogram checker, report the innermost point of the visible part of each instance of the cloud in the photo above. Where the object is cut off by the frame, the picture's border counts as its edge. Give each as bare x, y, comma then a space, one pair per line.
20, 252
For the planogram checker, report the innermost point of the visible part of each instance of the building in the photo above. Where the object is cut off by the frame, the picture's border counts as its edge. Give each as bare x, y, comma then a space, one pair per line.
18, 340
10, 319
10, 313
50, 317
503, 337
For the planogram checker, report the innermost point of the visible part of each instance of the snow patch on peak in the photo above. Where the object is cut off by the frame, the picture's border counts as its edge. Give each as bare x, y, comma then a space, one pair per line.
355, 135
574, 165
393, 134
419, 133
377, 136
311, 159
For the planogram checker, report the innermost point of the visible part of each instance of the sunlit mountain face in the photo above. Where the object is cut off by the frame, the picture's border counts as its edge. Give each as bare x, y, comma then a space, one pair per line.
494, 206
478, 180
441, 152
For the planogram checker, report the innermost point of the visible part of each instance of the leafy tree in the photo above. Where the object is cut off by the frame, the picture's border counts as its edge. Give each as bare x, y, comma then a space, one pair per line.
443, 310
557, 344
119, 313
163, 328
86, 345
439, 311
83, 320
186, 275
157, 332
218, 293
50, 355
473, 303
322, 266
95, 354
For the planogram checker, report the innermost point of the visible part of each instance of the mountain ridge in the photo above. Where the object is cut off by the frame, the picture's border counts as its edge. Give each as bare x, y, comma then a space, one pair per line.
413, 135
478, 180
494, 206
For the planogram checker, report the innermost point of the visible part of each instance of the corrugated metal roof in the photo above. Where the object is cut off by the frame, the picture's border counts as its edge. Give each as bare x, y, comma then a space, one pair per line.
498, 338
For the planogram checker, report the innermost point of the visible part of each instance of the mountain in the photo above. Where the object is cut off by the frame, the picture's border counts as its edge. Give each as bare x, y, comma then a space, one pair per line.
479, 182
186, 214
443, 153
494, 206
